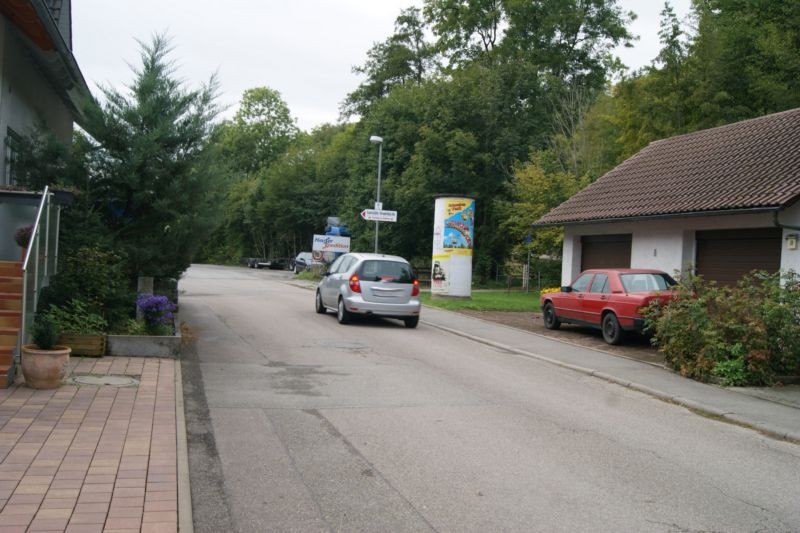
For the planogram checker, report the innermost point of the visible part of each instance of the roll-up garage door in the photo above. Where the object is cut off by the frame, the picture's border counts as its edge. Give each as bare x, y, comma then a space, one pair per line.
606, 251
725, 256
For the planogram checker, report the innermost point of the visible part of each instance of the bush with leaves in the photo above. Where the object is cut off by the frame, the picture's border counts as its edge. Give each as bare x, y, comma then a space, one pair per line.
743, 335
97, 279
74, 317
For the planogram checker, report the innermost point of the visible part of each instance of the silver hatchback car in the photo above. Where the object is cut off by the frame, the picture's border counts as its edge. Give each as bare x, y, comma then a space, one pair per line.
370, 284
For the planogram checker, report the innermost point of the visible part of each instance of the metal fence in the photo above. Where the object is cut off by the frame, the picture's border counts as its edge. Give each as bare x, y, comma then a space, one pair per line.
542, 274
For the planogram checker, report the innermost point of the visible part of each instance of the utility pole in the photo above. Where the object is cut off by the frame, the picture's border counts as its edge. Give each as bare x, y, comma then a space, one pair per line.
379, 141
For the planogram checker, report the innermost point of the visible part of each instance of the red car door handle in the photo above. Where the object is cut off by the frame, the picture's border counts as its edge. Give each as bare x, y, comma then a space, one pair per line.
604, 297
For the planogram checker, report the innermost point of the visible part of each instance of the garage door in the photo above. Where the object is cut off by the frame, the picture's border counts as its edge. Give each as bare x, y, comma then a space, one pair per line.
606, 251
726, 255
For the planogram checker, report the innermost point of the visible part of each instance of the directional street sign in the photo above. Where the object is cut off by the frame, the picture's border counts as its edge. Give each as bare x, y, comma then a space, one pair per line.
380, 216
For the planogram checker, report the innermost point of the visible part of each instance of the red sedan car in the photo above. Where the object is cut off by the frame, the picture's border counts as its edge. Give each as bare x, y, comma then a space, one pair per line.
608, 299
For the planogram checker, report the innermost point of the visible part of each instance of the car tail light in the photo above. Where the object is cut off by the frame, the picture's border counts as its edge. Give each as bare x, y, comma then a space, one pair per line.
415, 288
355, 285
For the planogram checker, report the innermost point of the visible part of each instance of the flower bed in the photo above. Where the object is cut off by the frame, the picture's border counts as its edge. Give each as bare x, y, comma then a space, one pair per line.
144, 345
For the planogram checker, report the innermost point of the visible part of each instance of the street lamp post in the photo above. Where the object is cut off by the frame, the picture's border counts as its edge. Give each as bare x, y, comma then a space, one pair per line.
379, 141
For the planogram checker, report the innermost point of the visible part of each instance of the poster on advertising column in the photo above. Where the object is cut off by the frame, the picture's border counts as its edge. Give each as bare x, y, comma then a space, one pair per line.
453, 234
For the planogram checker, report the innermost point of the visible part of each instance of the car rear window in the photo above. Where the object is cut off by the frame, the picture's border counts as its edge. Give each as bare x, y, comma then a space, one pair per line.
646, 282
394, 271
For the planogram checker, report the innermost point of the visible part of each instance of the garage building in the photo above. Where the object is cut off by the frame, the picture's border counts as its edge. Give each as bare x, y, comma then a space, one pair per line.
720, 202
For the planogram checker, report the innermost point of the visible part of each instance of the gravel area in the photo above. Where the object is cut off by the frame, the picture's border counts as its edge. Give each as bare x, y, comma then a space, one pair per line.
634, 347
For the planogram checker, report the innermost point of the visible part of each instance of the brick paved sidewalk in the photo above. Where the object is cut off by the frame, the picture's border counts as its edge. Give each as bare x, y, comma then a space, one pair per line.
91, 457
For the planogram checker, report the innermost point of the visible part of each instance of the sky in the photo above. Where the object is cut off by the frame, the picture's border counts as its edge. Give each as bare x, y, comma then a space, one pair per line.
305, 49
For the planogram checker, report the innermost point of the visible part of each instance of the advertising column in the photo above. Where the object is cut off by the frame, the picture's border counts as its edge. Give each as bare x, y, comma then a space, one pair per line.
453, 234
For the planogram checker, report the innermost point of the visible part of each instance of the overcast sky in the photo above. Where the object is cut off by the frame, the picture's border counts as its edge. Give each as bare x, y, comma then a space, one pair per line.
303, 48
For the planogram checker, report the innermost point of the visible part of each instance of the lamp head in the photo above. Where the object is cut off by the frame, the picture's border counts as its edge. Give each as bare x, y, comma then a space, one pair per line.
375, 139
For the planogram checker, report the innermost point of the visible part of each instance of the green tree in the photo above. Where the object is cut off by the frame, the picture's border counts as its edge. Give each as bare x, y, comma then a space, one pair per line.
465, 29
745, 59
405, 57
261, 130
538, 186
568, 39
151, 173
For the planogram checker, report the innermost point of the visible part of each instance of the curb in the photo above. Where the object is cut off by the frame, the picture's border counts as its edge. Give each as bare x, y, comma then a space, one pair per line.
185, 522
732, 418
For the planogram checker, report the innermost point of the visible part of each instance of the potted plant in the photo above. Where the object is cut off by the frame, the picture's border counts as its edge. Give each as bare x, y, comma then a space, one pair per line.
82, 330
23, 238
44, 362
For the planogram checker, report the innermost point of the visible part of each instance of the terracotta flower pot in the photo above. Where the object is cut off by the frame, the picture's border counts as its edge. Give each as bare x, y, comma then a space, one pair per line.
44, 369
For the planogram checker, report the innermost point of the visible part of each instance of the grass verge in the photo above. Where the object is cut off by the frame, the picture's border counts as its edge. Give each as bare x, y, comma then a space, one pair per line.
488, 301
308, 275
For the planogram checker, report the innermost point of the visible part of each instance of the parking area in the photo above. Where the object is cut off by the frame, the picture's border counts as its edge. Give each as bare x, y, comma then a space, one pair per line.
635, 346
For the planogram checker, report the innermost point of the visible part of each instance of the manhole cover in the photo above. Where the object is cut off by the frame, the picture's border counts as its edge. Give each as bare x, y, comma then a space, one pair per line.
114, 381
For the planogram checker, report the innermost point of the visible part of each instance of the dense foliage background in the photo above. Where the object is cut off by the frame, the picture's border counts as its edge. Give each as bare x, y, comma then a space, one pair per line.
519, 104
512, 102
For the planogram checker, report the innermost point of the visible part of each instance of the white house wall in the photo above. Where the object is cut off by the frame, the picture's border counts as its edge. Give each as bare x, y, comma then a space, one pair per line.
669, 244
790, 259
2, 99
26, 96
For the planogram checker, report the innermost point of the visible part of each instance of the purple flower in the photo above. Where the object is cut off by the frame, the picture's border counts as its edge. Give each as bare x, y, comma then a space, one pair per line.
156, 309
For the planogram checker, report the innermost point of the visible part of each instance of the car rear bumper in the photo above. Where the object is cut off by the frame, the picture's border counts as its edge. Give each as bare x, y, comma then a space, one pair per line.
357, 304
633, 324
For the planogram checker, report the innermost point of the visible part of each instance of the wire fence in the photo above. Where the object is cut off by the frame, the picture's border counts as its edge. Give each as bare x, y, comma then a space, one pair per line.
541, 274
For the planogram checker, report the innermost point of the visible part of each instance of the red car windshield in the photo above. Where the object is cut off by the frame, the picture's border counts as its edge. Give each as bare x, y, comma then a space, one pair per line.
646, 282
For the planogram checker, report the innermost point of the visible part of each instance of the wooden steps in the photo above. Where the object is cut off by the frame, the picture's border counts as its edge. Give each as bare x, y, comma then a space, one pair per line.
6, 364
10, 317
10, 284
11, 268
10, 301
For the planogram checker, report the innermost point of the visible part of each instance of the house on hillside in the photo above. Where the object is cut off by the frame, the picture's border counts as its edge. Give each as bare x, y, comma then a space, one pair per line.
40, 81
40, 85
723, 201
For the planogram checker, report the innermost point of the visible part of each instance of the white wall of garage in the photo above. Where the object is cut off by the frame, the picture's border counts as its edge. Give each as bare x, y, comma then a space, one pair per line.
790, 259
669, 244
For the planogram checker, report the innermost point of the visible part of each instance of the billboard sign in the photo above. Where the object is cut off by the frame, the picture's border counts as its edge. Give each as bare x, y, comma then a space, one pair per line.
330, 243
453, 236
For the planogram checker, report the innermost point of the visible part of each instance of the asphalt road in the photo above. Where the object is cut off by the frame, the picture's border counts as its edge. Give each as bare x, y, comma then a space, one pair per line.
297, 423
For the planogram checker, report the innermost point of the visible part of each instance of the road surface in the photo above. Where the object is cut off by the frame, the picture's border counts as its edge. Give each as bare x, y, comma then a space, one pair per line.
297, 423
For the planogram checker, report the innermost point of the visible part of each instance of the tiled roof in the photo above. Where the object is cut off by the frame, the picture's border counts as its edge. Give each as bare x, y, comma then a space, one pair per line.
746, 165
